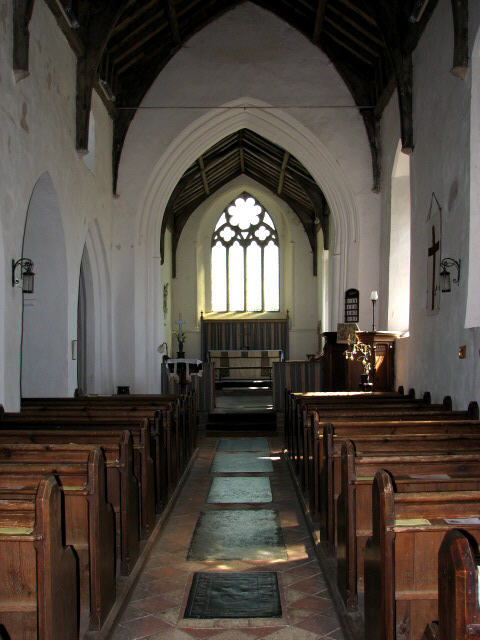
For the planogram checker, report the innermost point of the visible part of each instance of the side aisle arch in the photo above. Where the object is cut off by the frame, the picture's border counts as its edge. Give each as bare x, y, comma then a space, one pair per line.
94, 316
45, 353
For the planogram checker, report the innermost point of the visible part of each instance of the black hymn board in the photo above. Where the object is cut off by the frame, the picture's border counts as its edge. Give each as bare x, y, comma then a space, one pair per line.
351, 305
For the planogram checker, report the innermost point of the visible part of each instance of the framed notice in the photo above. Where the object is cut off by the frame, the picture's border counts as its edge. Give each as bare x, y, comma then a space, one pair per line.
351, 305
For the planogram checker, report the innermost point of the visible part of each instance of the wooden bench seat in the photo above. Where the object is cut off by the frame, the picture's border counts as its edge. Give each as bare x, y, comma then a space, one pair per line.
122, 486
139, 428
420, 472
303, 440
335, 407
171, 434
319, 450
178, 419
38, 585
374, 415
401, 443
89, 519
401, 576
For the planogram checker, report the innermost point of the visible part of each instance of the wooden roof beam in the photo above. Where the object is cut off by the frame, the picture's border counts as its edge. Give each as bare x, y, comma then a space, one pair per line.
204, 176
395, 35
137, 44
132, 35
72, 35
281, 179
366, 16
22, 13
95, 35
242, 155
121, 25
319, 19
173, 20
460, 30
346, 46
356, 26
353, 38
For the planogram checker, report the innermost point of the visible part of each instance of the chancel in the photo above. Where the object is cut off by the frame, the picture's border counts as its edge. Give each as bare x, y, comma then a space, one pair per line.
239, 319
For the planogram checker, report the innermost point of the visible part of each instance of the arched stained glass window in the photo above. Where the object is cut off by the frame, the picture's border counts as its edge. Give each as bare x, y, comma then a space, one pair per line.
245, 259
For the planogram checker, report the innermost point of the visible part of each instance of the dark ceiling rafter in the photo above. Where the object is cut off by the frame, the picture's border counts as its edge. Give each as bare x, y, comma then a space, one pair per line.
460, 32
128, 42
248, 153
173, 20
349, 32
95, 30
319, 19
22, 12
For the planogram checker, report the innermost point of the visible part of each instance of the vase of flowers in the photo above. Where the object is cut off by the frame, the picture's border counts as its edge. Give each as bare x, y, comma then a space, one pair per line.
181, 337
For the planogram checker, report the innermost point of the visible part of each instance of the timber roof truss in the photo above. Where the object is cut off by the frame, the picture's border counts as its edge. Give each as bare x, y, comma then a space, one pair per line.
122, 45
247, 153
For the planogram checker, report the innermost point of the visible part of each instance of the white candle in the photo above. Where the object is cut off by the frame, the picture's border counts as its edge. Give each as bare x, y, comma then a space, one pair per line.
374, 295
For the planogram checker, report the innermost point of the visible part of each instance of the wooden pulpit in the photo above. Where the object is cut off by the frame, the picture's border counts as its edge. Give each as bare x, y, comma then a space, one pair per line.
340, 374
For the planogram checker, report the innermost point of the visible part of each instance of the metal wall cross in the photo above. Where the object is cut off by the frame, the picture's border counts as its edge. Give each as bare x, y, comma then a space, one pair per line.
432, 251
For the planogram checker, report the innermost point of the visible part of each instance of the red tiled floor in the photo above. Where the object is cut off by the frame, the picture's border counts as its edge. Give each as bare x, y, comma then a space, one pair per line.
157, 601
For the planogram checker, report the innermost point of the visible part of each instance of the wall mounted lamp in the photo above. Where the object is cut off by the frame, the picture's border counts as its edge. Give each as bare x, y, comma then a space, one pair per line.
26, 276
447, 263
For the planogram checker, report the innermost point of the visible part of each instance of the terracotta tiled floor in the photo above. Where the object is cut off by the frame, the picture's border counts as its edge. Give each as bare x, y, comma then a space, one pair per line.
156, 605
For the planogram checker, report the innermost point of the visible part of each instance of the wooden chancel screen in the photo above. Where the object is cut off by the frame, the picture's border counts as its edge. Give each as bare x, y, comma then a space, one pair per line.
245, 336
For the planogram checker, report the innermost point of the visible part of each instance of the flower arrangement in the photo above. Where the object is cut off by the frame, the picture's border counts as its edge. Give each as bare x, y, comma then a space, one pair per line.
360, 352
180, 335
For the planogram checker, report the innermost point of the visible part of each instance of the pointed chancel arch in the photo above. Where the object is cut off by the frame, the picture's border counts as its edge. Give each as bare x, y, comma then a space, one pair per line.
247, 153
45, 352
286, 132
399, 267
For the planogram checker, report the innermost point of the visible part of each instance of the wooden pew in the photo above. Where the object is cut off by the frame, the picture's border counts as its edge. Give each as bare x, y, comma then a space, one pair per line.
175, 420
380, 413
458, 604
401, 581
140, 430
377, 427
169, 428
420, 472
426, 440
38, 586
368, 410
330, 403
89, 520
122, 486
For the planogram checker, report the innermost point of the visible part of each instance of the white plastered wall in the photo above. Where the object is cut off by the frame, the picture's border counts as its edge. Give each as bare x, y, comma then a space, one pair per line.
37, 135
428, 360
298, 293
246, 57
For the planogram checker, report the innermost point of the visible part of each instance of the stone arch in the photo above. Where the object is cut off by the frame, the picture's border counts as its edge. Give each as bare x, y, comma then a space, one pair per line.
191, 291
283, 130
85, 327
400, 243
94, 336
472, 318
44, 352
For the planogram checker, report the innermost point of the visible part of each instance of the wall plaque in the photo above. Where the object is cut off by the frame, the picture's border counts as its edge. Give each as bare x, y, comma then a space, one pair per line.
351, 305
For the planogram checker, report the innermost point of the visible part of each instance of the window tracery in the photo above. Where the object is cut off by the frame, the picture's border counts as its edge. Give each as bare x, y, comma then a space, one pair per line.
245, 259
